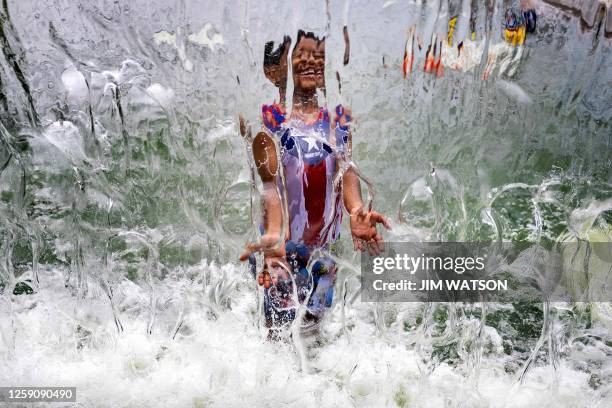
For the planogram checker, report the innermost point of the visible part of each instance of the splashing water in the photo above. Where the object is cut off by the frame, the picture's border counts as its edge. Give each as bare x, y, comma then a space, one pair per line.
127, 193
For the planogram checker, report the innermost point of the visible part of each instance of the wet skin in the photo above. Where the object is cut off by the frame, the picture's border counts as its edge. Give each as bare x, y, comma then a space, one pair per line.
304, 64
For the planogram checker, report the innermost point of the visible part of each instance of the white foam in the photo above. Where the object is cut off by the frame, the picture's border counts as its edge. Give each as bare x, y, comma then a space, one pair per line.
220, 358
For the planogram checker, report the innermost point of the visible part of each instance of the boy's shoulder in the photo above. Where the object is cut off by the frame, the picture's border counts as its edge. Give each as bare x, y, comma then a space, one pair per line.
273, 116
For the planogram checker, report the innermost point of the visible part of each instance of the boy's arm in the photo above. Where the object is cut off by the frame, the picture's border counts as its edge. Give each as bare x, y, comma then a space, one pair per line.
266, 161
351, 191
351, 187
363, 221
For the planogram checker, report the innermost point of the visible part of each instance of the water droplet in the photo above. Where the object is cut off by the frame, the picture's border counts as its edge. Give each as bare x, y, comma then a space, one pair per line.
51, 85
37, 16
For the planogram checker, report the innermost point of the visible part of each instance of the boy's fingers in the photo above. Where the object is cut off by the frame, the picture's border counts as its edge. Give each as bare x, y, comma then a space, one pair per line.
376, 245
245, 255
375, 249
381, 219
371, 249
253, 247
249, 249
358, 244
379, 243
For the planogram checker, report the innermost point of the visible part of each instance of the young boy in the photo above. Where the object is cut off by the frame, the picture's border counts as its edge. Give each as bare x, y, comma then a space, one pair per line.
312, 154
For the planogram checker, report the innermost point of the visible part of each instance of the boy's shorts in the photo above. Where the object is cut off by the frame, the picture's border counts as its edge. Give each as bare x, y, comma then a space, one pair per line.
314, 286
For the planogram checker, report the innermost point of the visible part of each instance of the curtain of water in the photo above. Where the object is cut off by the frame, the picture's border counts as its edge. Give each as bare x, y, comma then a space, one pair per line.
121, 159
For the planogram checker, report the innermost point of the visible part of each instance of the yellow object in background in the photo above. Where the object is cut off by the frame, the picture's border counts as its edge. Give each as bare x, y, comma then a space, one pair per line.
515, 37
451, 30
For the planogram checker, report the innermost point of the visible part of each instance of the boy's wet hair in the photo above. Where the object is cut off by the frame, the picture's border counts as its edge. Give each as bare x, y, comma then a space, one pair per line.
273, 57
308, 34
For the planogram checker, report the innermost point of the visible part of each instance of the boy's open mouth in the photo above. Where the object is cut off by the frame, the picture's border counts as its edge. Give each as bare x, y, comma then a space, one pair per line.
307, 73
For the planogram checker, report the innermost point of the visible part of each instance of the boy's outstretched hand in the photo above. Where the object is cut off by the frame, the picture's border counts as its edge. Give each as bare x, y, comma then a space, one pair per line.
268, 245
364, 231
274, 256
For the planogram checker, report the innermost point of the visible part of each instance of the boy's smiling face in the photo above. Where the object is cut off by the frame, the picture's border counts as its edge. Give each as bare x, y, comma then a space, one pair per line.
304, 64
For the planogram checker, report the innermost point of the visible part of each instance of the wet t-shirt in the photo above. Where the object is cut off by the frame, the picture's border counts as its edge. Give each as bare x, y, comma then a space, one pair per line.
309, 158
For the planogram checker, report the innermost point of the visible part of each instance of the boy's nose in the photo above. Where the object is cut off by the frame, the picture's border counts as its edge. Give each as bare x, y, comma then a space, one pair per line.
310, 57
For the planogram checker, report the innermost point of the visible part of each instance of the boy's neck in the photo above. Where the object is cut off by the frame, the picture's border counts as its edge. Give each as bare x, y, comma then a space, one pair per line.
305, 103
